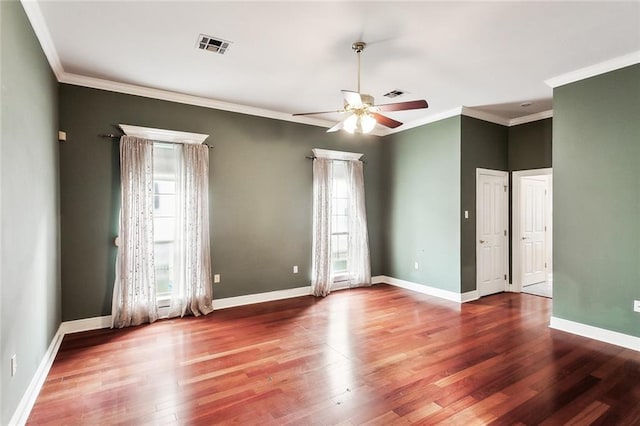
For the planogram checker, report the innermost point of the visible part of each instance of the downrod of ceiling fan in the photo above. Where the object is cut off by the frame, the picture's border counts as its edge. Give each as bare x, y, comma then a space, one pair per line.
358, 47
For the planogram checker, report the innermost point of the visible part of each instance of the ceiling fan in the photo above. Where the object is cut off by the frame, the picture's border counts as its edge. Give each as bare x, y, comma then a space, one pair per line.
363, 113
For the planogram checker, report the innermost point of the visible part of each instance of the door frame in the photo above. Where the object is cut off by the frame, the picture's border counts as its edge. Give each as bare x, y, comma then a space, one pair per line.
505, 175
516, 270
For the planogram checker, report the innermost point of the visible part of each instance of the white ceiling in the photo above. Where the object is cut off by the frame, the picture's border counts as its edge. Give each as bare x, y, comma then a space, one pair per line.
296, 56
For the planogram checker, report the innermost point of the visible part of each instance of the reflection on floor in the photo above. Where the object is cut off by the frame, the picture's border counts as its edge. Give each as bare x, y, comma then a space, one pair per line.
544, 289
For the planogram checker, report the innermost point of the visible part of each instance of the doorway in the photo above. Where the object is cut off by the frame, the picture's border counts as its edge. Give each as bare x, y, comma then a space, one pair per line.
532, 232
492, 215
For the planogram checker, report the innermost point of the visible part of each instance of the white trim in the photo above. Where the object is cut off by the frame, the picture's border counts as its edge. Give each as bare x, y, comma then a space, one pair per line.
163, 135
596, 333
485, 116
516, 276
39, 25
378, 279
166, 95
431, 291
85, 324
426, 120
249, 299
530, 118
596, 69
336, 155
505, 261
21, 414
492, 172
473, 113
469, 296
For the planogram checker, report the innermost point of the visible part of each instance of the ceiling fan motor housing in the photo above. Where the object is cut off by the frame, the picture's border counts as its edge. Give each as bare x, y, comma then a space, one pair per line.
367, 100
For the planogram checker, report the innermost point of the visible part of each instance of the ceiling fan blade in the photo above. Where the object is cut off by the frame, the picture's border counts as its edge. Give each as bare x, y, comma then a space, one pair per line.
403, 106
320, 112
352, 98
337, 127
386, 121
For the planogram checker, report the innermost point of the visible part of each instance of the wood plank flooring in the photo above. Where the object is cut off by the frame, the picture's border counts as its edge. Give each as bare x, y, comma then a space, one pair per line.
378, 355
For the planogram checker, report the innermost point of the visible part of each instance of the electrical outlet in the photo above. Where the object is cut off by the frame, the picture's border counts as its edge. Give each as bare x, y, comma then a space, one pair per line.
216, 278
14, 365
466, 214
636, 305
295, 269
415, 265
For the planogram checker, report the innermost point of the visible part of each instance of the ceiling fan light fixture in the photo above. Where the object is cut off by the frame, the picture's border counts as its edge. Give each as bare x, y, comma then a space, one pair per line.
359, 121
364, 114
367, 123
351, 123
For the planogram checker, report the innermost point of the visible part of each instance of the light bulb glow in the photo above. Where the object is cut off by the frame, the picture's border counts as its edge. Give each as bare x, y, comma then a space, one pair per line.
367, 123
350, 123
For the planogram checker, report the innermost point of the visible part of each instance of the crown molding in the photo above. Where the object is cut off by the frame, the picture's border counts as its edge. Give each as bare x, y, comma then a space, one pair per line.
166, 95
593, 70
426, 120
485, 116
474, 113
531, 117
34, 14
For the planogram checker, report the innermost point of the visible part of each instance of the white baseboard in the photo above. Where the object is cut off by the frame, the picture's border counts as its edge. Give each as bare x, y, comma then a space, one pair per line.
596, 333
431, 291
249, 299
469, 296
378, 279
86, 324
21, 414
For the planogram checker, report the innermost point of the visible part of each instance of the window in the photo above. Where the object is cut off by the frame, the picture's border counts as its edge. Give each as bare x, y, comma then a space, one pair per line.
164, 218
340, 243
339, 221
162, 172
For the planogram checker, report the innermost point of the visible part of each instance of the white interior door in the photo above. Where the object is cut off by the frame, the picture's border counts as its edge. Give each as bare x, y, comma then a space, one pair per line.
533, 226
491, 231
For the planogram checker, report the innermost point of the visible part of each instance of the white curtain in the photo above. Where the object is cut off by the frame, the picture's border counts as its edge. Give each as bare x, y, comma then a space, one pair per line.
191, 292
134, 292
321, 245
358, 244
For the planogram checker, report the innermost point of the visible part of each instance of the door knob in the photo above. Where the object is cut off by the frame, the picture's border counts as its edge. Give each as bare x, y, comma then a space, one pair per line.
482, 241
524, 238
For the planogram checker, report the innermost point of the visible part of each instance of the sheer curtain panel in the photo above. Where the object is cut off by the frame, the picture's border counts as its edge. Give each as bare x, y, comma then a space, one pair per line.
134, 292
358, 262
321, 246
192, 293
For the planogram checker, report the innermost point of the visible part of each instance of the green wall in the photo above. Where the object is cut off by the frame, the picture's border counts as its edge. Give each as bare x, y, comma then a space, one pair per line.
484, 145
423, 204
260, 194
596, 159
29, 253
530, 145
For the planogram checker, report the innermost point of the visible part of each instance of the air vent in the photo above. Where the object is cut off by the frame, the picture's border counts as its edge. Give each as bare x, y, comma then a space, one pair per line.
394, 93
213, 44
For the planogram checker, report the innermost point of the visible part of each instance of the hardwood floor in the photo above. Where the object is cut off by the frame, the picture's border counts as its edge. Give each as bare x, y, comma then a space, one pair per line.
378, 355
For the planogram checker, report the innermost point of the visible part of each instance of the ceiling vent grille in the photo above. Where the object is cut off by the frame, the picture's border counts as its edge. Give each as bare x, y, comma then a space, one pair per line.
213, 44
394, 93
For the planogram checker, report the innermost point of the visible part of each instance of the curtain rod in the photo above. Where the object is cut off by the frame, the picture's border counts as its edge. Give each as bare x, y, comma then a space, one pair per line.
313, 157
112, 136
